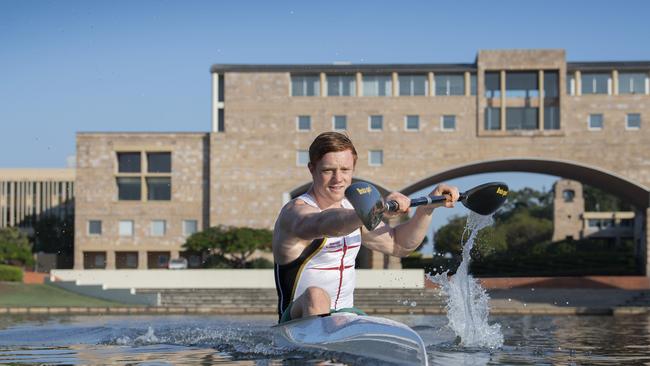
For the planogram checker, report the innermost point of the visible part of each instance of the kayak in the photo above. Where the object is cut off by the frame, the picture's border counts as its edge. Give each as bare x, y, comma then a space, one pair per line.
359, 335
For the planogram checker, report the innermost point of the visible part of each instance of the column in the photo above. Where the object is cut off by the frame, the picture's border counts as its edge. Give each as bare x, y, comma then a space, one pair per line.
142, 259
359, 88
578, 80
502, 80
615, 82
110, 259
215, 102
323, 85
432, 85
468, 84
395, 84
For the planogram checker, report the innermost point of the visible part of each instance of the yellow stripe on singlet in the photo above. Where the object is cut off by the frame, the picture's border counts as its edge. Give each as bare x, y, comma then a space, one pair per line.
302, 267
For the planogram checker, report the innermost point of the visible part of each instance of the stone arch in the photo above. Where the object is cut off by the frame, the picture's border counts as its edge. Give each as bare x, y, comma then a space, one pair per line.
635, 193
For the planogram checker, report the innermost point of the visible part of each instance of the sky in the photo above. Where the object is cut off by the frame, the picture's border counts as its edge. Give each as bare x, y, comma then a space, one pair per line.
72, 66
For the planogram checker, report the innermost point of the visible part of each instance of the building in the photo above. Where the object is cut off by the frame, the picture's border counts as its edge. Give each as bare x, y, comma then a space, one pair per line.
139, 194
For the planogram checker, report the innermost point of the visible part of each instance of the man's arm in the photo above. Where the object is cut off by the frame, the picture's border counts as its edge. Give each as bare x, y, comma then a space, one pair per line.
403, 239
307, 222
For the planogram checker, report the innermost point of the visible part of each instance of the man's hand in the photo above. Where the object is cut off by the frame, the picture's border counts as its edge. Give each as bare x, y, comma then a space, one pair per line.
403, 203
450, 192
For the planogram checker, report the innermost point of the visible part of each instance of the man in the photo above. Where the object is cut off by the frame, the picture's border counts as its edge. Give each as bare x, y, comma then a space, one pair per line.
317, 236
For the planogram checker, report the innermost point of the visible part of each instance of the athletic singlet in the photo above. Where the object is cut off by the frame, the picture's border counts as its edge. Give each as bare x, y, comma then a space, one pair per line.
327, 263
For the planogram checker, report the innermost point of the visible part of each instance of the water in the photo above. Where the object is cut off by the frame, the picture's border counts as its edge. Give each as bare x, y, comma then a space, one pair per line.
221, 340
467, 302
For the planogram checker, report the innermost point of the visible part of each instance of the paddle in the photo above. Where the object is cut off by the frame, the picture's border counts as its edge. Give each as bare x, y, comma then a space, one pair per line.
370, 206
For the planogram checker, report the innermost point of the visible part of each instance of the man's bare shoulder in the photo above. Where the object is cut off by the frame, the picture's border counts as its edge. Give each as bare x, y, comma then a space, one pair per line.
294, 211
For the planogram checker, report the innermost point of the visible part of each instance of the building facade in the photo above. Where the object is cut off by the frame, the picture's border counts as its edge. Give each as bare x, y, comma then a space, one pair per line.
414, 125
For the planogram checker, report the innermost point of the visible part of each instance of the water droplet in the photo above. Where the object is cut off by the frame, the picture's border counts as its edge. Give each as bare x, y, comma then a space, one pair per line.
509, 300
413, 304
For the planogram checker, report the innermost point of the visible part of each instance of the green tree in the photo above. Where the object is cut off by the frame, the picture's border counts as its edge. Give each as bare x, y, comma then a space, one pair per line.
598, 200
230, 245
54, 234
15, 247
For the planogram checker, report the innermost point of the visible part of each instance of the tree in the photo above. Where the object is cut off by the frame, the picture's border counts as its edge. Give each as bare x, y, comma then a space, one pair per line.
54, 234
597, 200
232, 245
15, 247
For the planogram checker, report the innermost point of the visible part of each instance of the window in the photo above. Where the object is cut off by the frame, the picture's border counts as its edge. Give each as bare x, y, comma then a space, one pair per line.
126, 227
129, 189
631, 83
128, 162
413, 84
157, 259
450, 84
190, 227
304, 123
302, 158
126, 260
521, 118
570, 84
412, 123
94, 227
551, 118
159, 162
472, 84
596, 122
305, 85
492, 118
159, 189
341, 85
340, 123
376, 123
492, 85
633, 121
448, 123
522, 84
94, 260
377, 85
375, 157
158, 227
595, 83
551, 85
568, 195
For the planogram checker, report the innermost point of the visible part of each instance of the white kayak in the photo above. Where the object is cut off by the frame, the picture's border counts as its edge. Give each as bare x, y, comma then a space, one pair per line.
359, 335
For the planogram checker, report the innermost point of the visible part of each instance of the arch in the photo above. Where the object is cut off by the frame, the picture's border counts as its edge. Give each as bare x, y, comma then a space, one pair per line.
636, 194
297, 191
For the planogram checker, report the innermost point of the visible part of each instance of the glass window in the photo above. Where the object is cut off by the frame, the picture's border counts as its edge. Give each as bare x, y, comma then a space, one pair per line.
304, 123
128, 189
631, 83
633, 121
375, 157
341, 85
94, 227
594, 223
472, 84
413, 84
157, 259
570, 84
521, 118
376, 123
126, 260
340, 122
159, 162
522, 84
596, 121
190, 227
377, 85
302, 157
158, 227
305, 85
126, 228
492, 84
159, 189
595, 83
551, 84
448, 122
412, 123
492, 118
128, 162
94, 260
450, 84
551, 118
568, 195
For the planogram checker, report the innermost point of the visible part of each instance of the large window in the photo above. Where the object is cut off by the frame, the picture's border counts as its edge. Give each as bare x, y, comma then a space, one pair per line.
450, 84
492, 118
157, 259
551, 84
341, 85
377, 85
472, 84
94, 260
155, 176
551, 118
413, 84
521, 118
631, 83
305, 85
126, 260
522, 84
492, 85
595, 83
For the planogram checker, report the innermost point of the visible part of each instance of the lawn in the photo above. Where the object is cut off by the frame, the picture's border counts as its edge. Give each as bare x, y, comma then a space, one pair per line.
23, 295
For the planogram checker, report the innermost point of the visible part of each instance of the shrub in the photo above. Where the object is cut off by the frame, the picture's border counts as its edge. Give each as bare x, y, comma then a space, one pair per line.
10, 273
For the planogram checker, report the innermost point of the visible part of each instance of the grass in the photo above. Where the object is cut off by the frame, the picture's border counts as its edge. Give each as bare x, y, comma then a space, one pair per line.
27, 295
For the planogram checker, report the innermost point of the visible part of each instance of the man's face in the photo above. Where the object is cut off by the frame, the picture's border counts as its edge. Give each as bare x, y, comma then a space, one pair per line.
333, 174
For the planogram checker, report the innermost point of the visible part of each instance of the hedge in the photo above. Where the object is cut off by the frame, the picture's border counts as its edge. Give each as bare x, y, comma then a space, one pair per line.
10, 273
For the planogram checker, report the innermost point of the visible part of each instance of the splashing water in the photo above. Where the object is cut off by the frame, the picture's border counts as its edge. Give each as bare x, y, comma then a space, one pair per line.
467, 302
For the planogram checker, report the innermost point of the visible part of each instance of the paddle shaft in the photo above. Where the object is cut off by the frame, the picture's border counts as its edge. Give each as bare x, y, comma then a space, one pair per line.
420, 201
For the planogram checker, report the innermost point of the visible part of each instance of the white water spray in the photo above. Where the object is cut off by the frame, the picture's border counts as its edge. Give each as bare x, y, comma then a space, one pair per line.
467, 302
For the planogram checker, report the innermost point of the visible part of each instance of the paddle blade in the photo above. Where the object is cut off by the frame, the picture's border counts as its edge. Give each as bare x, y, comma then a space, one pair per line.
486, 198
367, 202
